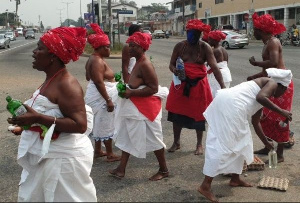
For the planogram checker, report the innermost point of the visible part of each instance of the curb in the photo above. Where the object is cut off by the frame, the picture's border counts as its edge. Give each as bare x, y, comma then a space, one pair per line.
110, 57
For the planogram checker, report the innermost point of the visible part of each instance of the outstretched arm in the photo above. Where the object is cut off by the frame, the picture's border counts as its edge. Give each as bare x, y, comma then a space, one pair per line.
258, 129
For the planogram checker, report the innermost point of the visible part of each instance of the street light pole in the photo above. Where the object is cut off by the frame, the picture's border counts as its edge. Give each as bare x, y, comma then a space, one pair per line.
6, 18
67, 3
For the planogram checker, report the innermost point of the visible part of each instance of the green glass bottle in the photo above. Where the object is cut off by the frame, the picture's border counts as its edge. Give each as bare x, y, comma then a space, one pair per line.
16, 108
118, 76
121, 87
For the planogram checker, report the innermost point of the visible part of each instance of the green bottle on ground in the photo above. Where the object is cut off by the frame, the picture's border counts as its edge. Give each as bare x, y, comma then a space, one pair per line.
16, 108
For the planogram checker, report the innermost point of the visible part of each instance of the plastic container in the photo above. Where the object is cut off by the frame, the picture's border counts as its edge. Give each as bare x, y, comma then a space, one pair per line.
180, 69
272, 159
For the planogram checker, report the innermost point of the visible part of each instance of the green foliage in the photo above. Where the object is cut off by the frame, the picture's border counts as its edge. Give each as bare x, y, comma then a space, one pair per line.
158, 7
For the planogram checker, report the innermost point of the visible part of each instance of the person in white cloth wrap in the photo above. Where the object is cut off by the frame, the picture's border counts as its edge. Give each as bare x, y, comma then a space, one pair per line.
101, 93
138, 118
221, 55
229, 140
56, 171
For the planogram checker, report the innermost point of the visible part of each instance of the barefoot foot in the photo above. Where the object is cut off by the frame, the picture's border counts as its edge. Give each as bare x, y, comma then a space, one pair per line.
117, 174
99, 154
239, 183
208, 194
159, 175
199, 150
113, 157
174, 148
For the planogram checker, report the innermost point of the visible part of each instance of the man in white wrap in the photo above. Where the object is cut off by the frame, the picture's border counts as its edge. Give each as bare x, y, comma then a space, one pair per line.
56, 171
138, 117
221, 55
229, 140
101, 93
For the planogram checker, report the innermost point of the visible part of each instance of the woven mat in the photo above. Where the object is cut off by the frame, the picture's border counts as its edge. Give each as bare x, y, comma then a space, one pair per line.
274, 183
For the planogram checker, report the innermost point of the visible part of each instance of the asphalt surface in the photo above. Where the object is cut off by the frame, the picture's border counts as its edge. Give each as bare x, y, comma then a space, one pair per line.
19, 80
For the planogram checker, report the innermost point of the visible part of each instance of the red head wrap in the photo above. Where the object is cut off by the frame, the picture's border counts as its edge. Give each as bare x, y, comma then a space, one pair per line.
205, 36
196, 24
65, 42
99, 38
267, 24
217, 35
141, 39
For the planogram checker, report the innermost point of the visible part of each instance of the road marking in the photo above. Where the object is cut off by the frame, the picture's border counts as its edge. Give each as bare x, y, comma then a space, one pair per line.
17, 47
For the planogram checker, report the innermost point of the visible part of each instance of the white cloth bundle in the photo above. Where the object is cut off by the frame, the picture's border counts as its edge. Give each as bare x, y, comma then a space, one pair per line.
281, 76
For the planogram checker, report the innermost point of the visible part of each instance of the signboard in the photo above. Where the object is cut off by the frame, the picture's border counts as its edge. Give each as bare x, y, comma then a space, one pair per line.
88, 18
177, 10
125, 12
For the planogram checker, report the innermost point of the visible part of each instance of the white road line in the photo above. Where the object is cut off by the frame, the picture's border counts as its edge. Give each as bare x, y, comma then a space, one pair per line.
17, 47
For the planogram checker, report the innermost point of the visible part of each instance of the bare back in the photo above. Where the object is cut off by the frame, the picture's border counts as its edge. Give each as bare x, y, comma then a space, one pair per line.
220, 54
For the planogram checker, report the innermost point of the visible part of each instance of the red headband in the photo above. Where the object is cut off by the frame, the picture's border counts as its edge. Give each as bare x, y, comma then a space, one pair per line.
65, 42
141, 39
196, 24
217, 35
267, 24
99, 38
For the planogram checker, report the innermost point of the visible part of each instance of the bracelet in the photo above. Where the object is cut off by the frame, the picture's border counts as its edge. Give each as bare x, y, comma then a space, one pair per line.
54, 120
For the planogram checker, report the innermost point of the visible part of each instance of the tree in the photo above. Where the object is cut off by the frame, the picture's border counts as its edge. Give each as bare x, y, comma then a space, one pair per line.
158, 7
69, 22
80, 22
132, 3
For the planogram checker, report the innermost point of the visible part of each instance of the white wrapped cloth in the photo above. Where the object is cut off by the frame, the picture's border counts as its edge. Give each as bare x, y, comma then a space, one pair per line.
103, 120
229, 140
62, 174
136, 134
132, 62
213, 83
281, 76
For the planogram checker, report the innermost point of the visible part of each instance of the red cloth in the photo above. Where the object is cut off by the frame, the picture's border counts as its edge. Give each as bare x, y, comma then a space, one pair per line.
200, 95
205, 36
141, 39
267, 24
195, 24
217, 35
148, 106
99, 38
38, 129
65, 42
270, 119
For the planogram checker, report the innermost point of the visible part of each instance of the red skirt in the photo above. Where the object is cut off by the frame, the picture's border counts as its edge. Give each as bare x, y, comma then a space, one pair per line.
270, 119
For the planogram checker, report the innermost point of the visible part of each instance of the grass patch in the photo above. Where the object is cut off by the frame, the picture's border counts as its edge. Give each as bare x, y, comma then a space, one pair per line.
116, 50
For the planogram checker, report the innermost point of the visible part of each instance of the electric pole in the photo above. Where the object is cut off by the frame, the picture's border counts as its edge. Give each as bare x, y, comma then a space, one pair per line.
60, 15
67, 3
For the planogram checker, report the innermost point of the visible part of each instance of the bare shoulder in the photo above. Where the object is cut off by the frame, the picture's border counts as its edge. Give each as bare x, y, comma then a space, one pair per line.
69, 85
274, 43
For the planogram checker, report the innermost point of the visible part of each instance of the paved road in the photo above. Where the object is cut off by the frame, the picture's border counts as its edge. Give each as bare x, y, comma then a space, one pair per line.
19, 80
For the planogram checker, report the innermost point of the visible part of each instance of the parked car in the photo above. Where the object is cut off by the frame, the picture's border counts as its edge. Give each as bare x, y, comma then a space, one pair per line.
30, 34
158, 34
20, 30
11, 36
234, 39
148, 32
4, 41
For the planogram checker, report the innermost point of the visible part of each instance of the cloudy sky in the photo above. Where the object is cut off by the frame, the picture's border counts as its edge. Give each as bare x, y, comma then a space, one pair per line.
49, 10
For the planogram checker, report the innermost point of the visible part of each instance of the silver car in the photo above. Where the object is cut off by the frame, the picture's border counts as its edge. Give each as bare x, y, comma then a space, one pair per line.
234, 39
4, 41
11, 36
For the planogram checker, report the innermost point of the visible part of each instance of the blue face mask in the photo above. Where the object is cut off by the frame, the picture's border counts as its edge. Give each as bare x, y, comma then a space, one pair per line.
193, 36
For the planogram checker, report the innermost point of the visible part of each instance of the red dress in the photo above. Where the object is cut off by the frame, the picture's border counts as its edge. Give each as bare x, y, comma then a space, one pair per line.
270, 119
199, 98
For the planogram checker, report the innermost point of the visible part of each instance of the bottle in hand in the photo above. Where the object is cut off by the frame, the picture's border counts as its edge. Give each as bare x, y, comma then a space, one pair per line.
16, 108
180, 69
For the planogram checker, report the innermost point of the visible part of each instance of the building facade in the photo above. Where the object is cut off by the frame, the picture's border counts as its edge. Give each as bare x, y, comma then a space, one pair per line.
238, 12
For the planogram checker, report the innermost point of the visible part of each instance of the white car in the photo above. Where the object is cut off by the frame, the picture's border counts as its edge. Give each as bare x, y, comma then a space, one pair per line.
158, 34
4, 41
11, 36
234, 39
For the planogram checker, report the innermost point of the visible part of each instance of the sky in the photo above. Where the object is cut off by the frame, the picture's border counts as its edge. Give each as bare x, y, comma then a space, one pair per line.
50, 11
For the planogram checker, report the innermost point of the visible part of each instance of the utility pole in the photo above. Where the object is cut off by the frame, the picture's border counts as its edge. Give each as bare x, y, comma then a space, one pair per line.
60, 15
183, 20
80, 15
67, 3
100, 11
110, 23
